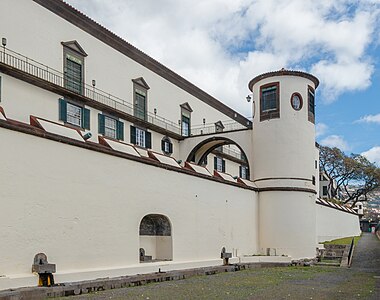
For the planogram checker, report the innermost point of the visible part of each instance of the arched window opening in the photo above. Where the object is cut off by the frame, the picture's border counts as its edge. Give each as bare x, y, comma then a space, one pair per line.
155, 239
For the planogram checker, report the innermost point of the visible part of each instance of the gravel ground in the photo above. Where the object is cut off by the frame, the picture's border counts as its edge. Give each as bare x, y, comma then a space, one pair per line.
362, 281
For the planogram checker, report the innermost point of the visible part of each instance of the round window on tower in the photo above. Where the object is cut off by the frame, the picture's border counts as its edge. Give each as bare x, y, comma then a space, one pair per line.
296, 101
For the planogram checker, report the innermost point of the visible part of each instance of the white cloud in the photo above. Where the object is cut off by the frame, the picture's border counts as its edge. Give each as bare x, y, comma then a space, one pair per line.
370, 119
335, 141
340, 77
320, 129
373, 155
220, 45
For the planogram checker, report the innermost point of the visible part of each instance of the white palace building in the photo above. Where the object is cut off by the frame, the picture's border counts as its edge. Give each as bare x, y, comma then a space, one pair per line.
112, 164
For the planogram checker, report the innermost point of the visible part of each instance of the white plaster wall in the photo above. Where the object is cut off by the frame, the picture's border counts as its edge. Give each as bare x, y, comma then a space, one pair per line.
283, 157
287, 223
37, 33
334, 224
284, 147
164, 247
83, 209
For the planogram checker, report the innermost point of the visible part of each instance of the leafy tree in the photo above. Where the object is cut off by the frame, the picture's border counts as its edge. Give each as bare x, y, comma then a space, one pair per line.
353, 174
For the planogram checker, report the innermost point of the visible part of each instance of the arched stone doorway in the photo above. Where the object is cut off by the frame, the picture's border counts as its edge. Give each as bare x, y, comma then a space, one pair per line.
155, 238
217, 146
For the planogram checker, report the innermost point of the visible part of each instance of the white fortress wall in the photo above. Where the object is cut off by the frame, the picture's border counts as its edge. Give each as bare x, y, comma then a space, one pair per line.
83, 208
334, 224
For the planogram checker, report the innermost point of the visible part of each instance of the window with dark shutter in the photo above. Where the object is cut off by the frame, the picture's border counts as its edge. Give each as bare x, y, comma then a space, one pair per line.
120, 130
101, 125
270, 101
311, 104
148, 140
133, 135
86, 118
166, 146
63, 110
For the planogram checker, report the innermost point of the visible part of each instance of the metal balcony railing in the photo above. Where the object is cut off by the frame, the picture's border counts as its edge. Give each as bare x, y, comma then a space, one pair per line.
211, 128
41, 71
231, 152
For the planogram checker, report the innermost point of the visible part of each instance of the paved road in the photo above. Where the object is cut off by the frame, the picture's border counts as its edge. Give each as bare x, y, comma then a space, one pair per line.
367, 254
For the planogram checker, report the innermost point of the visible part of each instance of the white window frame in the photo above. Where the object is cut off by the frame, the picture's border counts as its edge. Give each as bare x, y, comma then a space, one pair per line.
110, 127
140, 137
244, 172
219, 164
74, 114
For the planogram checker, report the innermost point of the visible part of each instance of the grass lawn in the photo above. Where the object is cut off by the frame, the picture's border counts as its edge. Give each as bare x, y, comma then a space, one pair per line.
343, 241
265, 283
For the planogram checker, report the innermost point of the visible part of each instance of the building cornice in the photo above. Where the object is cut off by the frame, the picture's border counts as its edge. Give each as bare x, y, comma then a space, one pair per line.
283, 72
93, 28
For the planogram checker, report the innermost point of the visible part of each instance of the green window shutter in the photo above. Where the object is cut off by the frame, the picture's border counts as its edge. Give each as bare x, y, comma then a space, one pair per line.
133, 135
215, 163
163, 145
63, 110
223, 166
120, 130
148, 140
170, 148
86, 118
240, 172
101, 124
247, 173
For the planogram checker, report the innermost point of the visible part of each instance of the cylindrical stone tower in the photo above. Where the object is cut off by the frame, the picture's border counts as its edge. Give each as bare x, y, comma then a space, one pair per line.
284, 165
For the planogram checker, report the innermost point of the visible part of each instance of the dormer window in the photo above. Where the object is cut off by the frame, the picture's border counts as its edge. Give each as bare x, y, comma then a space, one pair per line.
186, 119
219, 127
270, 101
140, 98
73, 63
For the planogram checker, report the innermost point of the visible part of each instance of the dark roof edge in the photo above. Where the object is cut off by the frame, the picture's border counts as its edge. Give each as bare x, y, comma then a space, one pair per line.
283, 72
80, 20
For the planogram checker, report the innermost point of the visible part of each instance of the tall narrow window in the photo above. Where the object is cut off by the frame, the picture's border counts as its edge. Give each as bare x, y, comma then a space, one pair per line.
311, 104
185, 125
74, 66
186, 119
270, 101
244, 172
140, 98
166, 146
219, 164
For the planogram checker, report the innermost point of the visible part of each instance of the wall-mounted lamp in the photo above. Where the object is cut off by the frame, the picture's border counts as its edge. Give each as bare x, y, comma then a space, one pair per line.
204, 121
87, 136
4, 41
93, 83
179, 122
155, 111
249, 98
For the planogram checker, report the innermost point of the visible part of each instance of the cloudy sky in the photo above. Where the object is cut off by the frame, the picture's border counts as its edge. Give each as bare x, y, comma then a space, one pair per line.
220, 45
